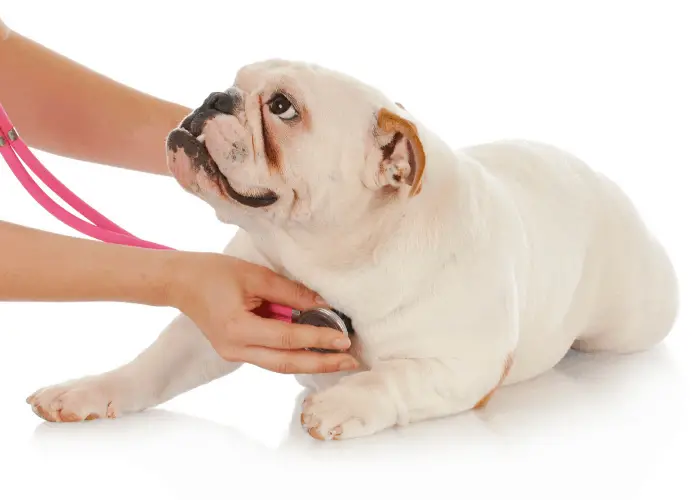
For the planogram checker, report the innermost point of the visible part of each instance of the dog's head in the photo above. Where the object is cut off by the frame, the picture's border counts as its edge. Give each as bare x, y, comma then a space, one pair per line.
295, 144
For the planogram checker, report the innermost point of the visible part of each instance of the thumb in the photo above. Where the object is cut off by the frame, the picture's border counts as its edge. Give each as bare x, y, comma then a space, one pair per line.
275, 288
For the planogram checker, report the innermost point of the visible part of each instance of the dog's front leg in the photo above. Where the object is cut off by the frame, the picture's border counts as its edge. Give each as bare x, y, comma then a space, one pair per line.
422, 368
401, 391
179, 360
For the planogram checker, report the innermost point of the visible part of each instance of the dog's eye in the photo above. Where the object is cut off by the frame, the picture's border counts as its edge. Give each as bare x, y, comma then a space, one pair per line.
280, 106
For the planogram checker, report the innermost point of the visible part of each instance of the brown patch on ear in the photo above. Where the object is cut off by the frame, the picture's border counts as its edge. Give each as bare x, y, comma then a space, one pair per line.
273, 155
390, 122
388, 150
506, 370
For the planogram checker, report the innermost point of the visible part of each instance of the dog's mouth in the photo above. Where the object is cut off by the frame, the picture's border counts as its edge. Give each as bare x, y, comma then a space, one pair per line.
188, 137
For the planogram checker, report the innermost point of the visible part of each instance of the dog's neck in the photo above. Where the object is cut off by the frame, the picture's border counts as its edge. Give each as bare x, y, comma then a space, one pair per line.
335, 262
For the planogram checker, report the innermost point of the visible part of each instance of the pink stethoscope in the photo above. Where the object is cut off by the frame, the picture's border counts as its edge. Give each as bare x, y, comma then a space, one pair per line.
99, 227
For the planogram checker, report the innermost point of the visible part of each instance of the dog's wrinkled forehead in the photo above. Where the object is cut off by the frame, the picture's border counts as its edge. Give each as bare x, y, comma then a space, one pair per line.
327, 92
252, 77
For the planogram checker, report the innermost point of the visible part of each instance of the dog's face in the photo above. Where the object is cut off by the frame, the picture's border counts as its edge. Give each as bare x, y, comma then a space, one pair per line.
295, 144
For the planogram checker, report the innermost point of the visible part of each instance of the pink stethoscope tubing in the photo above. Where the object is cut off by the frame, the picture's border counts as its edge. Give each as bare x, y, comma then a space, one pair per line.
15, 152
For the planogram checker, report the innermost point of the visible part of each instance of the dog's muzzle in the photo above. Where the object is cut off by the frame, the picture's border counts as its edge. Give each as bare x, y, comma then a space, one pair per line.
187, 137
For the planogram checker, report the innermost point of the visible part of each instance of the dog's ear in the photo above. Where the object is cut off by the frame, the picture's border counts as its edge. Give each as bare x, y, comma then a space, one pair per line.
402, 160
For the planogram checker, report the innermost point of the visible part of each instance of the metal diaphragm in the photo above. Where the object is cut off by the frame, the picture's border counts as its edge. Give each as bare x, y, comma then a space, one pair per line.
328, 318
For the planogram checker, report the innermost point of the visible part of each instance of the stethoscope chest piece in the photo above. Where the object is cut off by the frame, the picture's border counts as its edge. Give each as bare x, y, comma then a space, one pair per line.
324, 317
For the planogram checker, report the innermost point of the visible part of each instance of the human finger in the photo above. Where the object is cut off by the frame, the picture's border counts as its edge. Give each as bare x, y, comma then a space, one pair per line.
299, 362
276, 334
273, 287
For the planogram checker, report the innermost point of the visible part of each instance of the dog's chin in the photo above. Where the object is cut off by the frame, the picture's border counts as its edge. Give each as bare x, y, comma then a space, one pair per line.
183, 146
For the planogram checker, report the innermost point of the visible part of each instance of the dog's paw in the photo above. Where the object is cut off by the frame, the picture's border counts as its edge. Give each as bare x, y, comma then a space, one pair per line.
345, 412
83, 399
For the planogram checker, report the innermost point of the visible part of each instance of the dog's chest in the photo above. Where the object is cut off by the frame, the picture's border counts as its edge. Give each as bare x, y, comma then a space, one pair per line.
356, 293
365, 293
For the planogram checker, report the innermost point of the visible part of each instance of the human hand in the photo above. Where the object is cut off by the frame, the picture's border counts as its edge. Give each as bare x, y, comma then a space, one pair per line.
219, 293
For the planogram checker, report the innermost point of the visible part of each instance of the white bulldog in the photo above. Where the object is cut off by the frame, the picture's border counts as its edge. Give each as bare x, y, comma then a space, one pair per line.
461, 270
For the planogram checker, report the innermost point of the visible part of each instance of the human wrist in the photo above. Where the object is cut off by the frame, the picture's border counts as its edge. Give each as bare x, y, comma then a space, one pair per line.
176, 275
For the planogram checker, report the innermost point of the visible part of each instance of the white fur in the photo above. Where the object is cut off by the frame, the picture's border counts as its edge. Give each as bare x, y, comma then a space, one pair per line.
510, 249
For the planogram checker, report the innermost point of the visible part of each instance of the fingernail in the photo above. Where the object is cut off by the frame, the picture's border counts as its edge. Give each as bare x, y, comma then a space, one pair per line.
342, 343
348, 364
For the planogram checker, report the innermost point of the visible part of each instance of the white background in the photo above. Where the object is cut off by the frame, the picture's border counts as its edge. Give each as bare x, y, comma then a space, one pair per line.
614, 82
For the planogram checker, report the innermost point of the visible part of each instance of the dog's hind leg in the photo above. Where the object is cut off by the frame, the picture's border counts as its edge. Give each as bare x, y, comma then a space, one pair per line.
639, 288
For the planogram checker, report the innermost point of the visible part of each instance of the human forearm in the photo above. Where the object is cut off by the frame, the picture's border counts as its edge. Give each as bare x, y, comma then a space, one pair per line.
215, 291
64, 108
41, 266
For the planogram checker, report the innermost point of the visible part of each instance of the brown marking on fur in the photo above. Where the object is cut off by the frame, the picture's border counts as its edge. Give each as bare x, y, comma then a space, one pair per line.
388, 150
305, 117
92, 416
66, 416
272, 150
315, 434
506, 369
412, 161
391, 122
43, 414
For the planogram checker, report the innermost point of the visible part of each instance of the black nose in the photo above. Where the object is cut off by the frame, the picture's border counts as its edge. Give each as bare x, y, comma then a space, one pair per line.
220, 101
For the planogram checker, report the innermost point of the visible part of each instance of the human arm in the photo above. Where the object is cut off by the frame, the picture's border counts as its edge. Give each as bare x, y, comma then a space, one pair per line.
216, 291
64, 108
